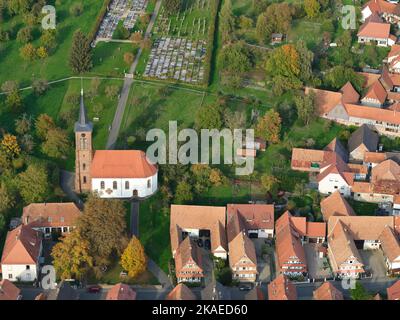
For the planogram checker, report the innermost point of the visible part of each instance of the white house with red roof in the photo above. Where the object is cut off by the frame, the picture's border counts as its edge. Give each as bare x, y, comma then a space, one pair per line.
21, 253
374, 30
110, 173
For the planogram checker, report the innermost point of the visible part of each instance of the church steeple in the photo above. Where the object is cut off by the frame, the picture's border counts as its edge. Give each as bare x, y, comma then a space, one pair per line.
83, 125
83, 149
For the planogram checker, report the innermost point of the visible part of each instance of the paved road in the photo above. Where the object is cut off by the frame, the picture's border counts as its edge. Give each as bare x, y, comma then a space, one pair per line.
116, 125
134, 229
67, 185
161, 276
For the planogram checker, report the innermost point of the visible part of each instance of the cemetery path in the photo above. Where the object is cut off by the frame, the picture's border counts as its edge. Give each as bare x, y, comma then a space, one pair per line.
119, 113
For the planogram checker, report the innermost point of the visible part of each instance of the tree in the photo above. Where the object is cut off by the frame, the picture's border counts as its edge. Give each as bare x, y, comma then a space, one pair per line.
14, 101
245, 23
34, 184
338, 76
42, 53
183, 193
23, 124
209, 117
172, 6
269, 183
283, 65
7, 200
40, 86
227, 22
269, 127
71, 257
311, 8
76, 9
306, 107
259, 5
10, 146
103, 225
80, 59
56, 144
9, 86
129, 57
48, 39
112, 91
44, 123
306, 58
28, 52
235, 120
216, 177
24, 35
133, 260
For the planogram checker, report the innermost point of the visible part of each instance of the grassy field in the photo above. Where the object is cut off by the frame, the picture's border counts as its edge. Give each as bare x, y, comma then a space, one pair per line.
56, 65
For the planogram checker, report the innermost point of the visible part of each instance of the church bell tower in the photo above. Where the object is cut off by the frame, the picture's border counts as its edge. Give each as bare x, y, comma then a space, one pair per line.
83, 150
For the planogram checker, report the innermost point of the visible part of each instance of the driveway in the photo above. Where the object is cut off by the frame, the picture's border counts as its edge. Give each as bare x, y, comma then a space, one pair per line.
264, 252
374, 262
318, 268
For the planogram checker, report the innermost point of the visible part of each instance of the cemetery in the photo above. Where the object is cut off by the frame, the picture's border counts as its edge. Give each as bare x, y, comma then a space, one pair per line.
125, 10
180, 46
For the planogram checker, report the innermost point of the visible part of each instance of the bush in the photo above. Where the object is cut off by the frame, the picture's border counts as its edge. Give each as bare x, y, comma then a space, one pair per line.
76, 9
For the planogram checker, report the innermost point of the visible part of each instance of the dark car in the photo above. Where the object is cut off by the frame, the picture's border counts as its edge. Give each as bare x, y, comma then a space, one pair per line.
207, 244
94, 289
244, 288
200, 243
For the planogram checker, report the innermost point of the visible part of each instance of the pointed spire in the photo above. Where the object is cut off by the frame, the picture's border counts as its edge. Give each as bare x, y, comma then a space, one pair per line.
83, 124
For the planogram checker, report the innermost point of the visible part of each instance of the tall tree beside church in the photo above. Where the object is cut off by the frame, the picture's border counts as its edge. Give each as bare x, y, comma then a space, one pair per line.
103, 225
80, 59
227, 22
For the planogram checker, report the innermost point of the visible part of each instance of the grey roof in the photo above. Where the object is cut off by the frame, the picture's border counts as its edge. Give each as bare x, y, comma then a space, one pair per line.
64, 291
82, 125
364, 135
215, 291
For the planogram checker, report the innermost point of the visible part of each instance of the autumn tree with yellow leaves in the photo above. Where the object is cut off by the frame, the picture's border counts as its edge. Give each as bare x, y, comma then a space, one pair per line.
10, 146
133, 260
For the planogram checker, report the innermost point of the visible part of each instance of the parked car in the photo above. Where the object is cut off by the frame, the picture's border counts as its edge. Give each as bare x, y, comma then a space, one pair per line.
94, 289
245, 288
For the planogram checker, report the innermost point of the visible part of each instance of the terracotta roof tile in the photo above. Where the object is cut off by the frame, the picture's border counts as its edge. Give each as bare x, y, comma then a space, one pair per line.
390, 244
374, 30
327, 291
8, 291
335, 204
121, 291
241, 247
181, 292
282, 289
393, 292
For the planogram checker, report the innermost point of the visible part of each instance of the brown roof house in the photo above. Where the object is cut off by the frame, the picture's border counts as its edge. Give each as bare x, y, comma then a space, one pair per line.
121, 291
188, 262
8, 291
361, 141
51, 218
181, 292
21, 253
387, 10
335, 205
242, 258
327, 291
199, 222
391, 248
282, 289
256, 219
374, 30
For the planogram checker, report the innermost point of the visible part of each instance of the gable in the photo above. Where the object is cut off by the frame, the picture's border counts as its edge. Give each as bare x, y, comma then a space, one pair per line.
338, 112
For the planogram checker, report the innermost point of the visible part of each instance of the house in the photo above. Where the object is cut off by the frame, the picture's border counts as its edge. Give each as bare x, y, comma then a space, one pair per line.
63, 292
121, 291
21, 253
246, 153
254, 295
242, 258
393, 59
122, 174
343, 255
327, 291
348, 234
374, 30
385, 9
276, 38
361, 141
8, 291
199, 223
391, 248
375, 96
289, 250
282, 289
393, 292
372, 159
383, 186
51, 218
181, 292
188, 262
256, 219
335, 205
215, 291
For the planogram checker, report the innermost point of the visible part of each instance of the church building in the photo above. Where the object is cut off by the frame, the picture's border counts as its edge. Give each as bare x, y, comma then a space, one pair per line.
110, 173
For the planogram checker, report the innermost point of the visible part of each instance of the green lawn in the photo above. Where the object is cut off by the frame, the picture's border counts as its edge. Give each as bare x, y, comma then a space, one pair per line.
13, 67
363, 208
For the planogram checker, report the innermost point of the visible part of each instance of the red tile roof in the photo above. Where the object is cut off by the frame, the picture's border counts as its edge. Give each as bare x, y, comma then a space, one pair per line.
8, 291
22, 246
393, 292
121, 164
282, 289
121, 291
327, 291
377, 92
374, 30
181, 292
335, 204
